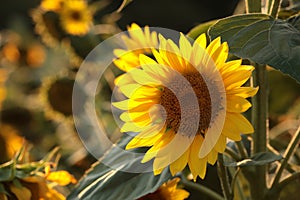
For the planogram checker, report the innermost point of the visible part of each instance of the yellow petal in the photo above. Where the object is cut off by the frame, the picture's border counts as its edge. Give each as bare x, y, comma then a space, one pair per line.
201, 41
196, 165
180, 163
237, 104
22, 193
128, 89
220, 55
143, 142
143, 78
172, 152
134, 106
61, 177
240, 122
133, 127
236, 79
221, 144
163, 141
212, 157
185, 48
134, 116
231, 131
213, 46
244, 92
230, 66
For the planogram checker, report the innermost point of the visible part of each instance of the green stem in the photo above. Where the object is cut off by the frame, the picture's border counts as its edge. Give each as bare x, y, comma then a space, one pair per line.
288, 180
274, 193
232, 154
259, 121
274, 8
224, 178
253, 6
242, 149
202, 189
287, 155
234, 179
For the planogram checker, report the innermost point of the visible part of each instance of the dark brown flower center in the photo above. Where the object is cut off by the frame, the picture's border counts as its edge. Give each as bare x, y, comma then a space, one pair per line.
173, 110
75, 15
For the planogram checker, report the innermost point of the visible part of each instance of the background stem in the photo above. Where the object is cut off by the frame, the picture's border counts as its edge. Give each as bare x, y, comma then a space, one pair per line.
223, 176
274, 8
202, 189
259, 121
287, 155
253, 6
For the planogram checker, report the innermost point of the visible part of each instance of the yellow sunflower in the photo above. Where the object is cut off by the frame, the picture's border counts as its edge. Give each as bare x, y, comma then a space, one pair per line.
51, 5
76, 17
167, 191
185, 103
137, 42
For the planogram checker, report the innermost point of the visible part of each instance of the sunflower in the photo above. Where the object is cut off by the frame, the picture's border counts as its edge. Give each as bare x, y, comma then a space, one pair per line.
76, 17
168, 191
137, 42
185, 103
51, 5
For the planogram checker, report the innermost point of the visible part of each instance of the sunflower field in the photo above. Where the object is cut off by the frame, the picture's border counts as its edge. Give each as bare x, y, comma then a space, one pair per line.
149, 100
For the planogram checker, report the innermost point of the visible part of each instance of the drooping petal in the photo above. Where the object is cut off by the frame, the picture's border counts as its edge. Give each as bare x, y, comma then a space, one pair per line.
244, 92
240, 122
237, 104
180, 163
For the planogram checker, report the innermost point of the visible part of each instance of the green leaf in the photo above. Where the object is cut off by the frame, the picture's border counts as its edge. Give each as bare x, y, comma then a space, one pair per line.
105, 183
2, 189
7, 171
262, 39
258, 159
199, 29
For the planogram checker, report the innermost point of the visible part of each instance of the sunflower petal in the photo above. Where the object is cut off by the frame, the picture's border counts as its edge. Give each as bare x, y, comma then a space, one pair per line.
237, 104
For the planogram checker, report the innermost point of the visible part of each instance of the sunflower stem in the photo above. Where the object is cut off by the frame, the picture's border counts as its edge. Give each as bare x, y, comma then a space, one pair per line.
223, 176
253, 6
242, 149
259, 121
234, 179
202, 189
287, 155
274, 8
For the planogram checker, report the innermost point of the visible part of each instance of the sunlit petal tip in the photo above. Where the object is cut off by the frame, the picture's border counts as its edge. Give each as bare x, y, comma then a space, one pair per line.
158, 171
201, 40
122, 105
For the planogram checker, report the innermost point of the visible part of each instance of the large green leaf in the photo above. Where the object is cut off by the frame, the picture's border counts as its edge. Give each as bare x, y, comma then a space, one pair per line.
258, 159
119, 182
262, 39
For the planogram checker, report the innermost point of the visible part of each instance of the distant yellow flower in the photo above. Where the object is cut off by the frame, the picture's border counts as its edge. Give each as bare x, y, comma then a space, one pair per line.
36, 55
61, 177
3, 77
168, 191
76, 17
11, 52
137, 42
51, 5
56, 98
188, 70
12, 139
